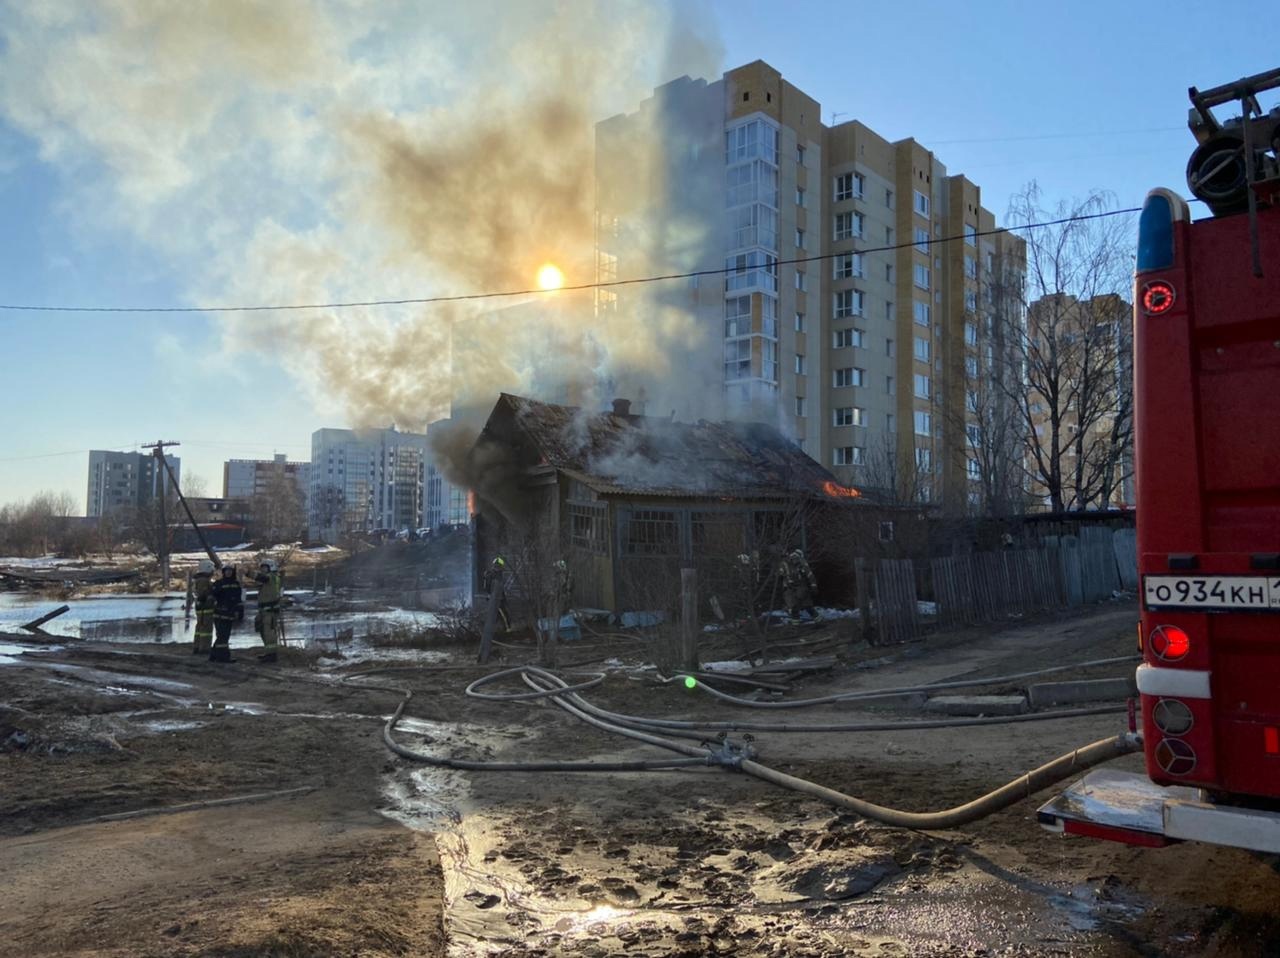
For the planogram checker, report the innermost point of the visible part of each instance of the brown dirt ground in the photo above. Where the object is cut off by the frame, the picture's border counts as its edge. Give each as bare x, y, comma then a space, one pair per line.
687, 858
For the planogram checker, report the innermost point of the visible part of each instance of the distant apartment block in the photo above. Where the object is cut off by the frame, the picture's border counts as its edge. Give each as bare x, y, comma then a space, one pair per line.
247, 478
869, 353
447, 504
125, 480
362, 480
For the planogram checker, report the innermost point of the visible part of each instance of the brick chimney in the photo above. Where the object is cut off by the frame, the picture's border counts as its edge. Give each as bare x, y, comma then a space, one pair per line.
622, 407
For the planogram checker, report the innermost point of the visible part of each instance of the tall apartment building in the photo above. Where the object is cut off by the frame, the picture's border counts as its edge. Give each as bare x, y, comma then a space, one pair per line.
247, 478
365, 480
861, 304
125, 480
446, 503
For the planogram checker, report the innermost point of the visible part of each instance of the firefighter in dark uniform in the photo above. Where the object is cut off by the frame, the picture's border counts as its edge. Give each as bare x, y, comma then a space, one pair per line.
270, 589
202, 592
497, 572
798, 585
564, 587
228, 608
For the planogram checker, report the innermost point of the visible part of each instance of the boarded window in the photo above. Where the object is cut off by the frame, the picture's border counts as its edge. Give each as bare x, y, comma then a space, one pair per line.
587, 529
651, 532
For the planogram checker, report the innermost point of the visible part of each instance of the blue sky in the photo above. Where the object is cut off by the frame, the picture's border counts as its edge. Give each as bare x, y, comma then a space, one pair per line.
114, 199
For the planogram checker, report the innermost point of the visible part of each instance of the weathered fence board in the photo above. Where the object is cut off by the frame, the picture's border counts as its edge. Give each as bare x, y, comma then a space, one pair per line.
896, 613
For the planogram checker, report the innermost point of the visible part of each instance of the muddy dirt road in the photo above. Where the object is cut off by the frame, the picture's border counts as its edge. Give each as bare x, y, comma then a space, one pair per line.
385, 857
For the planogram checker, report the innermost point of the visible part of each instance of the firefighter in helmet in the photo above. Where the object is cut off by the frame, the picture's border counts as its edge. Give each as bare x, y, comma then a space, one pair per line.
564, 587
270, 589
798, 585
202, 592
228, 608
495, 577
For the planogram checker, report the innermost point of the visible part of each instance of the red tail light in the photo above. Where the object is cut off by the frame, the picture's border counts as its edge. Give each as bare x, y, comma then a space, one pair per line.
1169, 642
1157, 297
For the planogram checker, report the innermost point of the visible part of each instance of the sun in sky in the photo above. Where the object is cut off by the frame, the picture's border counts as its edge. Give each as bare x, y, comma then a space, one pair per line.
549, 276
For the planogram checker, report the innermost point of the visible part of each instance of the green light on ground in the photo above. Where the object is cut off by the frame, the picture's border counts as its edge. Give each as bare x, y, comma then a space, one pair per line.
690, 682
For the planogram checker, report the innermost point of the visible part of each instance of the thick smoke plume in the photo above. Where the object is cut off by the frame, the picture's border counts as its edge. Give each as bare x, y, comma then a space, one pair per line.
308, 151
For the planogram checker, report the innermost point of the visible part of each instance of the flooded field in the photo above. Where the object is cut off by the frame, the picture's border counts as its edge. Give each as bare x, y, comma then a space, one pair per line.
163, 618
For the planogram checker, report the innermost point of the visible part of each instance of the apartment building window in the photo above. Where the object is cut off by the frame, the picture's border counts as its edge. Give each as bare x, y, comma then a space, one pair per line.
888, 348
924, 424
888, 272
769, 316
799, 154
737, 316
921, 239
751, 183
970, 300
970, 267
888, 311
971, 401
971, 366
970, 234
799, 364
888, 198
801, 283
799, 405
799, 196
920, 276
920, 203
847, 302
849, 376
753, 269
848, 455
753, 225
848, 265
847, 338
849, 416
924, 459
921, 386
888, 385
970, 334
974, 470
750, 140
889, 424
799, 239
888, 236
737, 359
973, 433
799, 322
921, 349
844, 187
848, 225
920, 313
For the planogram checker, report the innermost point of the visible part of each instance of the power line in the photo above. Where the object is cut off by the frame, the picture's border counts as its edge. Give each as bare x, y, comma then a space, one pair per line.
506, 294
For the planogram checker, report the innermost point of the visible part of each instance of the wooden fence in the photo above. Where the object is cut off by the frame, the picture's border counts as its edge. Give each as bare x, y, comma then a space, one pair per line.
991, 586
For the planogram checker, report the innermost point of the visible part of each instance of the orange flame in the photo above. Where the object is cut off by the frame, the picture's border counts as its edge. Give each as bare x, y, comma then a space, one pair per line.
837, 491
471, 503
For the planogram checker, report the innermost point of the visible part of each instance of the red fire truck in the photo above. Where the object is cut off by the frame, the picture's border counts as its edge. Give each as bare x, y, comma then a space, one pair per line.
1207, 467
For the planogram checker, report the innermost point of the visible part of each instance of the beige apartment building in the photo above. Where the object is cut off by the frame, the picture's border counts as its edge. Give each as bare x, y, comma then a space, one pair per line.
861, 287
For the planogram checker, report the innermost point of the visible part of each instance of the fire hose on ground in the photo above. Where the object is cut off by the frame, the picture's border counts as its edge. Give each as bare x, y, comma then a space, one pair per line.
548, 685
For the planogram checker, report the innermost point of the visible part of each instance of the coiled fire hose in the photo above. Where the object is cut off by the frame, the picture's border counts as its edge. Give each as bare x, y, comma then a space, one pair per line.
547, 685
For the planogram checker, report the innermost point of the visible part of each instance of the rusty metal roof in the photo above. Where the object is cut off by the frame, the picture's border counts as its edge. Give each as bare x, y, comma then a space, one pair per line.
641, 455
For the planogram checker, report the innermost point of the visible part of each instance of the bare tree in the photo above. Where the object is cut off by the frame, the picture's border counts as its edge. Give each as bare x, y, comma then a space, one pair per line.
279, 513
901, 476
1071, 380
194, 486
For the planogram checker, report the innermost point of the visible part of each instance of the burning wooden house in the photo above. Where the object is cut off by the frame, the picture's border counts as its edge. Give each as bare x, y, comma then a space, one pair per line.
628, 500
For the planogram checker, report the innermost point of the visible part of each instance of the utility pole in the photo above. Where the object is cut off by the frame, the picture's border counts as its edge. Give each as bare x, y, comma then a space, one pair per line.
162, 470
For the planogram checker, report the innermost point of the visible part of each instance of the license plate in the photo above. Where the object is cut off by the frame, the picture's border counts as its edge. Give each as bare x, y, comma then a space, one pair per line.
1216, 593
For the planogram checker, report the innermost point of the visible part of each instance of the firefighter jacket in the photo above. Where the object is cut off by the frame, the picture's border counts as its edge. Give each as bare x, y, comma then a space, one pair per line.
202, 590
228, 601
270, 588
